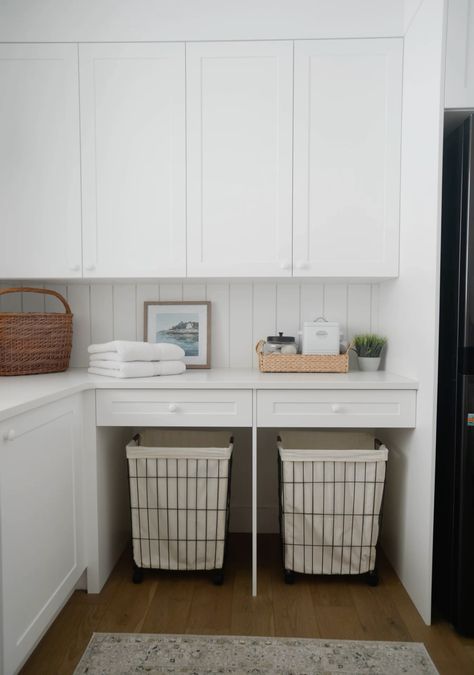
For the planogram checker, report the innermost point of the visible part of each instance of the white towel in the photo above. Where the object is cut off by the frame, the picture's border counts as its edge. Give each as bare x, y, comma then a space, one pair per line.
136, 369
123, 350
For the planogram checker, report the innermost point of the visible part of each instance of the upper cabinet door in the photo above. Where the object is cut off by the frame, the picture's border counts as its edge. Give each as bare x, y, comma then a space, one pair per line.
40, 207
239, 149
133, 159
347, 157
459, 91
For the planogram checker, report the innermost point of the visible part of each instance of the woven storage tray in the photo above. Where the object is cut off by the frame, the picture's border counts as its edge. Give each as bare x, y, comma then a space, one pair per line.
35, 342
301, 363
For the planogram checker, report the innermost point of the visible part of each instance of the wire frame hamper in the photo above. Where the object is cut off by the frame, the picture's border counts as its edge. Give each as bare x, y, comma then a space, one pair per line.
179, 498
331, 487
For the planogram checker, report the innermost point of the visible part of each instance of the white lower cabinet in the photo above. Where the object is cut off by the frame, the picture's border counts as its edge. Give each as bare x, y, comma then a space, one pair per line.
41, 526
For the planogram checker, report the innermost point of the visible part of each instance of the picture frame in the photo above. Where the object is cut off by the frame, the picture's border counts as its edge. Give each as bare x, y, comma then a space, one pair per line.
186, 323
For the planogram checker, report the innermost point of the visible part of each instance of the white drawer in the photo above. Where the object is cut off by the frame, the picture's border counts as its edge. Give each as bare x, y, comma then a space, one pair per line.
174, 408
336, 408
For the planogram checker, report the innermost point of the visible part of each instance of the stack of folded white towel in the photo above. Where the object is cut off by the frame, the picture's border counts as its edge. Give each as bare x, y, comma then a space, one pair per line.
122, 358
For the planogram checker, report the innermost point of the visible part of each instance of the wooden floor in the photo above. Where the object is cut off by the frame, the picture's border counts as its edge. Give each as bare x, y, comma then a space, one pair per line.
315, 607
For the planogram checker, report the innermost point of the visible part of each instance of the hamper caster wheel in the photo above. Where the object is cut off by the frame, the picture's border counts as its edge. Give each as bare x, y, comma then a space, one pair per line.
218, 578
373, 578
289, 577
137, 576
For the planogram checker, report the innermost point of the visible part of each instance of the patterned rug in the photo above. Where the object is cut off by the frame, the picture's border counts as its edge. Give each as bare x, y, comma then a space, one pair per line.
124, 653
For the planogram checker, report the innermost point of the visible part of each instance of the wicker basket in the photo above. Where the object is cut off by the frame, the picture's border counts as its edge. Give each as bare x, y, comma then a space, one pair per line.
301, 363
35, 342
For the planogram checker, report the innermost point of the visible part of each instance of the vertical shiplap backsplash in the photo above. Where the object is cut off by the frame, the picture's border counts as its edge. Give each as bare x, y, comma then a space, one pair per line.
242, 311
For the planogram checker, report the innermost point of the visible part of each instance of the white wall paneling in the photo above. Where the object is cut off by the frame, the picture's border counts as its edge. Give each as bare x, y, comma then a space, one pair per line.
39, 162
125, 311
218, 294
240, 325
335, 298
133, 159
78, 296
409, 308
264, 313
239, 111
288, 308
145, 293
359, 311
102, 313
347, 127
242, 312
34, 302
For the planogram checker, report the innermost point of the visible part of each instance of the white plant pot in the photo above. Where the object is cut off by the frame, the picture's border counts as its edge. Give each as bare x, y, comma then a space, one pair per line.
369, 363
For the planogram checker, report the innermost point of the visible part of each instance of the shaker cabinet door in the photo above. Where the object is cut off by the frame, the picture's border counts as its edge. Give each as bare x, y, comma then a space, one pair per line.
347, 134
239, 151
40, 204
41, 523
133, 159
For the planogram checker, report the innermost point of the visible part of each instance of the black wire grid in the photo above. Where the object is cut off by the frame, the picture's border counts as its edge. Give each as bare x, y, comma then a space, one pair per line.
330, 515
180, 512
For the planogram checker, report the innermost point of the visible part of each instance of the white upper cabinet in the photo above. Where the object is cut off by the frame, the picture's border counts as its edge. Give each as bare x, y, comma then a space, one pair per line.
239, 154
459, 90
133, 159
40, 208
347, 134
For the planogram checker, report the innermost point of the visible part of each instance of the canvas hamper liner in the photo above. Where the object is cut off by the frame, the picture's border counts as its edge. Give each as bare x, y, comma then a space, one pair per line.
331, 489
179, 487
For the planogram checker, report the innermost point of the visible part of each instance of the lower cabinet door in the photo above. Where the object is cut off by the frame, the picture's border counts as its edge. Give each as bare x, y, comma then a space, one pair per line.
41, 539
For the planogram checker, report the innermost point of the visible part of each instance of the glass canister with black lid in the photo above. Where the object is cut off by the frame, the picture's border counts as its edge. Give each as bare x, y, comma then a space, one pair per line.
280, 344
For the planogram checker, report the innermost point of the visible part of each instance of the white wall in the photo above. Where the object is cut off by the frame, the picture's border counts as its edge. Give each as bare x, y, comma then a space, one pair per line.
149, 20
409, 307
242, 312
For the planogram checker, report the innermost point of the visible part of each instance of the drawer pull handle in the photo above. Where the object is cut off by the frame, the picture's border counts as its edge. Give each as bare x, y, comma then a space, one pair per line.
336, 408
9, 435
172, 407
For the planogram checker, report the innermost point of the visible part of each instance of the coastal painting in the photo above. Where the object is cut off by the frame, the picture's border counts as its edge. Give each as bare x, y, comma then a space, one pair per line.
186, 324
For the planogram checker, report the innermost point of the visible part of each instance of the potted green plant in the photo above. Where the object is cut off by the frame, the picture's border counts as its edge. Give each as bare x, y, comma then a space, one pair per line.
369, 348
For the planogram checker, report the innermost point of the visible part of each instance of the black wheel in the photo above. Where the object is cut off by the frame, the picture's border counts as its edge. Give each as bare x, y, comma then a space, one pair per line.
218, 578
137, 576
373, 578
289, 577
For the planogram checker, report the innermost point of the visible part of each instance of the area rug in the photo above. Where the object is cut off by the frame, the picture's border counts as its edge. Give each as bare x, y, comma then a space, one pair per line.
124, 653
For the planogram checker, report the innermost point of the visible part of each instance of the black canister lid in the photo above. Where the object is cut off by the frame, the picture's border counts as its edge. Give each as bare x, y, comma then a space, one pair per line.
280, 338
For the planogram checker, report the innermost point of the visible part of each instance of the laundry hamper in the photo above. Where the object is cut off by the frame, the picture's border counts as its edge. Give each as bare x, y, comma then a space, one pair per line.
179, 498
331, 487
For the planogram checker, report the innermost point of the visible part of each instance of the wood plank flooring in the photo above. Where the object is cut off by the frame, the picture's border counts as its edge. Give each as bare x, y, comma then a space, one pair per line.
317, 607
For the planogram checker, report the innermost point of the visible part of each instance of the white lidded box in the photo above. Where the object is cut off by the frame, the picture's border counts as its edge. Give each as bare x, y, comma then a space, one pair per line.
320, 337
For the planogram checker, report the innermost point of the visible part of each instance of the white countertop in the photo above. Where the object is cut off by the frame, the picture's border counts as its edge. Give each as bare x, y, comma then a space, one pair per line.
18, 394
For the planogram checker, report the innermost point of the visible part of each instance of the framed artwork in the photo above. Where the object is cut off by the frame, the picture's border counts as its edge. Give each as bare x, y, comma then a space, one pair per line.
186, 324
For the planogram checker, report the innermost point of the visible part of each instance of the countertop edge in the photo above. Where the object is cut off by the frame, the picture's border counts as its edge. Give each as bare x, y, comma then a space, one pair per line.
77, 380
